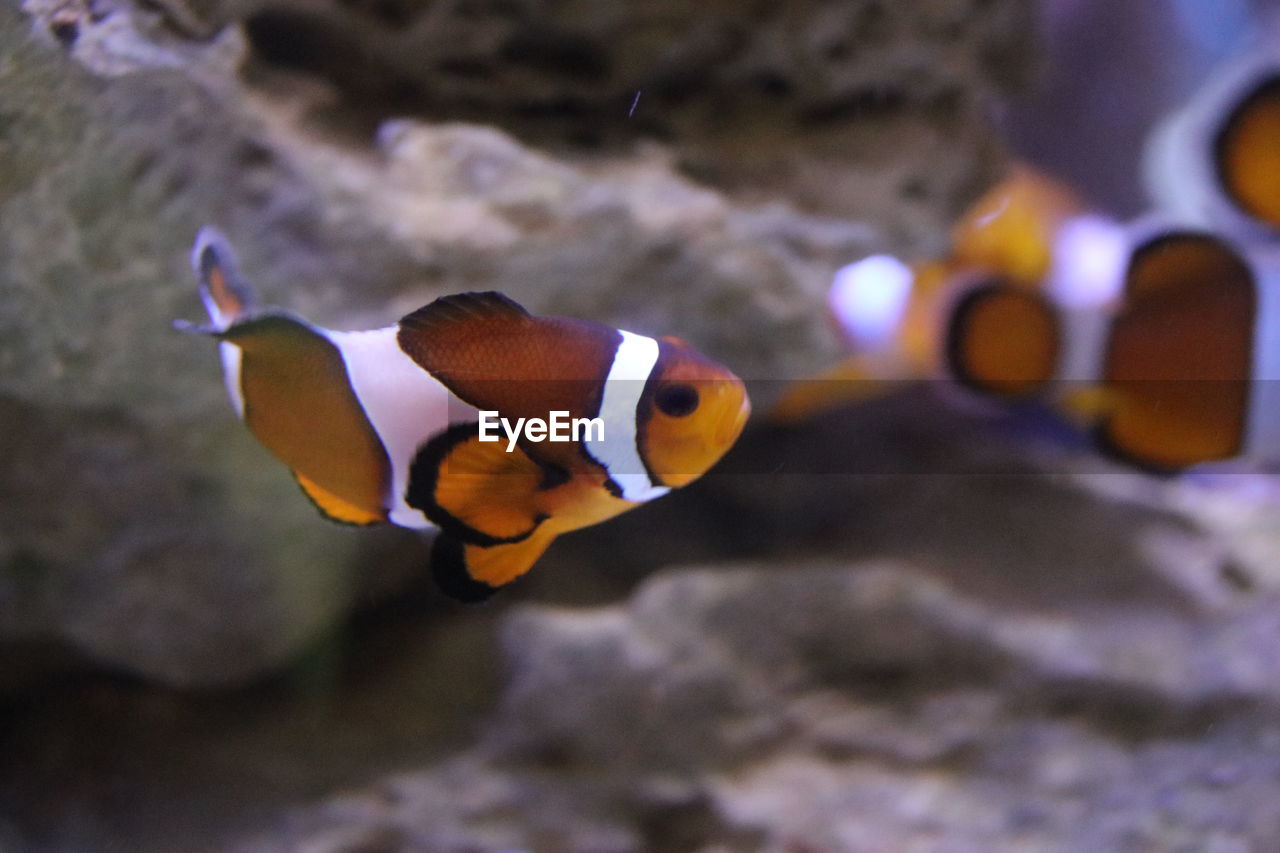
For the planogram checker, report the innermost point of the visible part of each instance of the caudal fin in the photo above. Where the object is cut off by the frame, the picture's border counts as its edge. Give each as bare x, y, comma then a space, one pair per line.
227, 296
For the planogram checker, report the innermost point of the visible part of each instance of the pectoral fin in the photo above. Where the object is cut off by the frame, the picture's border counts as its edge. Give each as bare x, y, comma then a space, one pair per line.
477, 491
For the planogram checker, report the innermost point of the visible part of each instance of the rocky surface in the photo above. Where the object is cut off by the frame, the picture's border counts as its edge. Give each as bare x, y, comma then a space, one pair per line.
850, 708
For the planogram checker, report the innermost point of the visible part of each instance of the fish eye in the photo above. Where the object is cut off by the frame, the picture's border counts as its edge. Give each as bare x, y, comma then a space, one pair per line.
677, 400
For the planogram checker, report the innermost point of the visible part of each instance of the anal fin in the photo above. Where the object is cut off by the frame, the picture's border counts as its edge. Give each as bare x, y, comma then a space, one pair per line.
335, 508
472, 573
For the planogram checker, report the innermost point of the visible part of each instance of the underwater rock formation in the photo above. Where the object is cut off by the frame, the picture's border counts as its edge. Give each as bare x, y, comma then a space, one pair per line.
137, 518
866, 707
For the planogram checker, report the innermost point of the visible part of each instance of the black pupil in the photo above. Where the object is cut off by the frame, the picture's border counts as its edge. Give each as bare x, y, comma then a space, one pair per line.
677, 400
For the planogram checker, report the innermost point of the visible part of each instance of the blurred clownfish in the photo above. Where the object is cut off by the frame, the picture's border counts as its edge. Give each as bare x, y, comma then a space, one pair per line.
1188, 371
384, 425
1026, 265
1215, 163
1163, 341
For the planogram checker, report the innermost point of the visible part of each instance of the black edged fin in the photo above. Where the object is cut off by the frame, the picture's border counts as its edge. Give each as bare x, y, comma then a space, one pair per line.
476, 492
1181, 260
444, 312
472, 572
1179, 359
299, 403
449, 569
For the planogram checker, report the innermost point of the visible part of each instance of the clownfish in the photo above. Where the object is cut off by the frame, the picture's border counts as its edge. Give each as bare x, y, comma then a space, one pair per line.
1163, 341
1187, 372
1215, 162
1025, 250
385, 425
1172, 365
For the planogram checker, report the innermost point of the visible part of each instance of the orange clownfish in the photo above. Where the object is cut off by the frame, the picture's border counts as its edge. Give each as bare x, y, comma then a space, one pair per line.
1188, 367
1173, 366
1162, 340
1168, 351
1023, 252
386, 425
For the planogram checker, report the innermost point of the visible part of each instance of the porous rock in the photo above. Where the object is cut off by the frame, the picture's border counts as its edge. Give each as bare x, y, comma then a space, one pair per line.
857, 708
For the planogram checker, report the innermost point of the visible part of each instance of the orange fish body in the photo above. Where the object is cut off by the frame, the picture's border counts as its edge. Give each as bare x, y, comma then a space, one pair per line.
401, 424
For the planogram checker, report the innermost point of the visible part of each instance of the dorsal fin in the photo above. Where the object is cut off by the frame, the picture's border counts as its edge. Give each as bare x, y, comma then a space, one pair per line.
494, 355
439, 316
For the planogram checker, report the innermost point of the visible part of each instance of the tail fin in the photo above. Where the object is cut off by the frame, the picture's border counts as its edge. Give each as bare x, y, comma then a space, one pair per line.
227, 296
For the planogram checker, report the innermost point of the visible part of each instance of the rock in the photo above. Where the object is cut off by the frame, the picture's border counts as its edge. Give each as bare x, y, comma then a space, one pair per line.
849, 708
852, 108
139, 525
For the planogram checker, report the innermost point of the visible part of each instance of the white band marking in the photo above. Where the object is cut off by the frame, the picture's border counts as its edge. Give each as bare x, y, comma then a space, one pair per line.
230, 355
619, 452
406, 406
